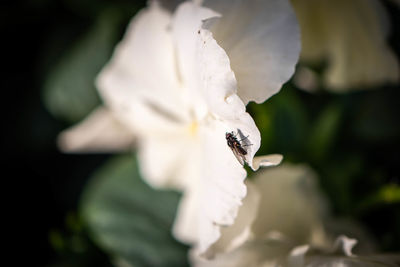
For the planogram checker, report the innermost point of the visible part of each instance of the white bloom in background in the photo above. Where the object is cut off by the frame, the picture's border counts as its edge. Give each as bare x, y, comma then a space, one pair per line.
282, 223
351, 36
283, 203
178, 90
100, 132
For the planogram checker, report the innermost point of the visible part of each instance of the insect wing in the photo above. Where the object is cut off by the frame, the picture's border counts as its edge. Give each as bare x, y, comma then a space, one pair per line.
238, 155
244, 140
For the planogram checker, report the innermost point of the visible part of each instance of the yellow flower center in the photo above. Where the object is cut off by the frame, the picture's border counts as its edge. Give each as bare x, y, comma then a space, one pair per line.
193, 128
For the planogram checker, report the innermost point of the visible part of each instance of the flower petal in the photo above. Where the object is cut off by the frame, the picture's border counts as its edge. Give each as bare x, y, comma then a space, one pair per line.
353, 261
99, 132
140, 81
302, 206
267, 161
146, 53
262, 41
344, 245
256, 253
296, 256
144, 113
186, 24
208, 66
215, 193
235, 235
161, 157
329, 30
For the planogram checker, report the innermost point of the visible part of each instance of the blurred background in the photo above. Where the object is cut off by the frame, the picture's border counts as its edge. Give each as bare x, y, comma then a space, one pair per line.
351, 139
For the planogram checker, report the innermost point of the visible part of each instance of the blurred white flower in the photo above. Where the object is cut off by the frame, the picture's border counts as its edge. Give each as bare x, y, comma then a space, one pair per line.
283, 203
282, 223
178, 91
351, 36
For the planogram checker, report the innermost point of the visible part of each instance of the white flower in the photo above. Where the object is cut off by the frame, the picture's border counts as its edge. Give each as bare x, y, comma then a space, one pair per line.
351, 36
283, 203
178, 90
282, 223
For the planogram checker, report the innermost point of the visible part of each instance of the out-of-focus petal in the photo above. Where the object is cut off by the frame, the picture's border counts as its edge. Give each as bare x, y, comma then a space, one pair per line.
215, 193
351, 36
344, 245
301, 205
296, 256
256, 253
262, 41
267, 161
140, 83
274, 241
344, 261
186, 24
160, 159
145, 113
341, 255
146, 53
273, 254
345, 226
99, 132
235, 235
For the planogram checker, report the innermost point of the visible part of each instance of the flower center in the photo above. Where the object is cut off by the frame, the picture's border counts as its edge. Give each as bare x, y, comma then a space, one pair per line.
193, 128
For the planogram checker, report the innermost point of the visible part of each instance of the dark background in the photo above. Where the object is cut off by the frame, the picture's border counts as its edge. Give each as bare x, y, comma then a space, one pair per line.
42, 186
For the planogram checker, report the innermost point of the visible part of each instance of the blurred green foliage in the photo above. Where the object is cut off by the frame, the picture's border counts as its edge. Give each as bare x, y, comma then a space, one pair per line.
129, 219
73, 246
69, 92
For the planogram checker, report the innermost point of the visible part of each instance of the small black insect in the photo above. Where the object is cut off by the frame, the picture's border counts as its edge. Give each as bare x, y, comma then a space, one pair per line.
236, 146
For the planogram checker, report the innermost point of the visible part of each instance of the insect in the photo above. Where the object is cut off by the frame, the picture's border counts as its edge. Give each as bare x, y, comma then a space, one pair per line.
236, 146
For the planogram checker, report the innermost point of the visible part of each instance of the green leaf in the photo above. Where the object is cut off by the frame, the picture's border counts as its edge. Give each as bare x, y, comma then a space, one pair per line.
337, 178
282, 122
324, 132
386, 195
130, 220
69, 91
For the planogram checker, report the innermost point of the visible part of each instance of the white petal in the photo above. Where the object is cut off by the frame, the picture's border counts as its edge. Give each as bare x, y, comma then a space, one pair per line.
262, 41
296, 256
172, 157
301, 205
235, 235
99, 132
204, 65
140, 83
343, 261
208, 67
146, 53
186, 24
161, 158
351, 36
347, 227
263, 254
216, 79
213, 198
344, 245
267, 161
144, 113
